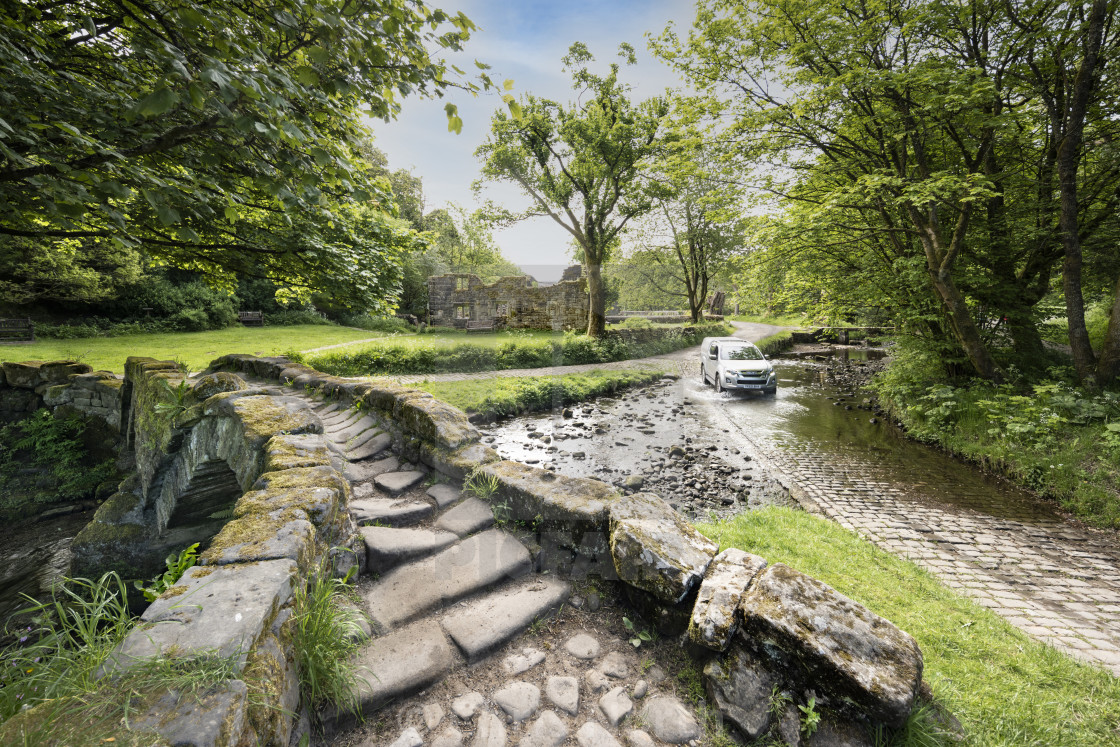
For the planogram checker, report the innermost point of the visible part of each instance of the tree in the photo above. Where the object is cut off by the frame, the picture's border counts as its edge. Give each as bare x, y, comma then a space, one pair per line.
699, 211
219, 137
581, 164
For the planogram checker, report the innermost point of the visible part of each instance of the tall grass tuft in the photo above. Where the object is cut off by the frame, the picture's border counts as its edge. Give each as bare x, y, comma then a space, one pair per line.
327, 631
71, 635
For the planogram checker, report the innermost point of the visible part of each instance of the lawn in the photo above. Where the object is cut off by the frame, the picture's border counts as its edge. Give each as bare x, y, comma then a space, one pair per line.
195, 349
1006, 688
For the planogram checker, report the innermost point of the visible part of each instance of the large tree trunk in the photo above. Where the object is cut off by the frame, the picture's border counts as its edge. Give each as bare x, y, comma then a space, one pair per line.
1069, 162
1108, 366
967, 333
596, 312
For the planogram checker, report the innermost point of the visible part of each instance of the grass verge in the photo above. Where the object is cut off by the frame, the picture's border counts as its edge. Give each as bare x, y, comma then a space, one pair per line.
1007, 689
195, 349
776, 343
489, 399
780, 320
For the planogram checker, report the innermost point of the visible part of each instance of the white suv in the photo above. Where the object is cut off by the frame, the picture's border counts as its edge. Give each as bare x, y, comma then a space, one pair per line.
731, 363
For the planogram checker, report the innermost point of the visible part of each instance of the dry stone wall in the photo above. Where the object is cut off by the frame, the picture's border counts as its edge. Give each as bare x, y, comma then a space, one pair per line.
28, 386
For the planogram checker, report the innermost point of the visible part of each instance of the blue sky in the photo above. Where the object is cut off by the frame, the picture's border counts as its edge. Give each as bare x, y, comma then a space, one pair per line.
523, 41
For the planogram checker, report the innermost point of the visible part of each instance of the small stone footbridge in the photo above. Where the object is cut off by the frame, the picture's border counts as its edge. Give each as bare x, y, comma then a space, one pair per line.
281, 470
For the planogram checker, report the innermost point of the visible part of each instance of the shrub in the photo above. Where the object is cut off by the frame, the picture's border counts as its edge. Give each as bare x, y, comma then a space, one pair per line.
293, 317
387, 324
55, 446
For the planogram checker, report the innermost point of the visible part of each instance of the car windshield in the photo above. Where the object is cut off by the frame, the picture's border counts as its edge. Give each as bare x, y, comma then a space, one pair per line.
741, 353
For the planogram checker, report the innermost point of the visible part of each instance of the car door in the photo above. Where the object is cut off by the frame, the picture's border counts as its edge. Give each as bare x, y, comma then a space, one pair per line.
711, 361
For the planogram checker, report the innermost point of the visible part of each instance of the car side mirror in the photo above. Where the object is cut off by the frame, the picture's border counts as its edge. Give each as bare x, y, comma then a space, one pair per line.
712, 356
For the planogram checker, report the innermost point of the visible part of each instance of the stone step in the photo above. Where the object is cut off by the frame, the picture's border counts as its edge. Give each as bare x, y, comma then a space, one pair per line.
322, 409
444, 495
363, 438
341, 419
481, 625
470, 516
372, 447
388, 547
353, 431
395, 483
403, 662
362, 471
390, 512
473, 565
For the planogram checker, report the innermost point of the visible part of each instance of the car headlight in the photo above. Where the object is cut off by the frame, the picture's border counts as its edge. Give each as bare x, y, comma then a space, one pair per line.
732, 373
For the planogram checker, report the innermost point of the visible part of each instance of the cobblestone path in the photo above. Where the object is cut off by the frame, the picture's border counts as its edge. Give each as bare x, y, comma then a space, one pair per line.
1055, 581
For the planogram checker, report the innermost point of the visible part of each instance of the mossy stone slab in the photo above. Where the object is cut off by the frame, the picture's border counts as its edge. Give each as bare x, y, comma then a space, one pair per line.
655, 549
845, 648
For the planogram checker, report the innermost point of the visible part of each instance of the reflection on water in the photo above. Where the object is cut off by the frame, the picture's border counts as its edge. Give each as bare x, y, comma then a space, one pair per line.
808, 417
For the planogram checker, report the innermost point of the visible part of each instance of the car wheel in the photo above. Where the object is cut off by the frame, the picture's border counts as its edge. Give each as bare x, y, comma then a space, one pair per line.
703, 376
719, 384
771, 391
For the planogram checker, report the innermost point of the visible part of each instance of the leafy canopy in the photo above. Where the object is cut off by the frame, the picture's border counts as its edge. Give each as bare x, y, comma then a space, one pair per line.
219, 137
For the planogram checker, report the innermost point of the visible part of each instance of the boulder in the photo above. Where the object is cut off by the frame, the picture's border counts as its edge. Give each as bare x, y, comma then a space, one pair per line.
715, 616
655, 549
844, 648
216, 383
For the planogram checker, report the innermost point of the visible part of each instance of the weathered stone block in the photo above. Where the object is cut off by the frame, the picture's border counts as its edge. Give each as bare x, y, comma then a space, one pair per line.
740, 685
293, 451
214, 719
847, 649
277, 535
655, 549
215, 383
715, 617
320, 504
575, 504
24, 375
223, 609
435, 421
460, 462
60, 394
58, 372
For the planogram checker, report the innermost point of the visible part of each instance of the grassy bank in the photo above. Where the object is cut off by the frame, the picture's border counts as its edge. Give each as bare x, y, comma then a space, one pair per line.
423, 355
487, 399
774, 344
780, 320
1050, 436
1006, 688
195, 349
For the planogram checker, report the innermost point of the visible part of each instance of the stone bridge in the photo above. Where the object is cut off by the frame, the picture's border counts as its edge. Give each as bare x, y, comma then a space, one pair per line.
281, 471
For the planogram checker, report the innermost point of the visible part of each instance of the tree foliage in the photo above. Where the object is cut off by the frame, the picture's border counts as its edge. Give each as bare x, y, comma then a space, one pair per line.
582, 164
914, 153
223, 138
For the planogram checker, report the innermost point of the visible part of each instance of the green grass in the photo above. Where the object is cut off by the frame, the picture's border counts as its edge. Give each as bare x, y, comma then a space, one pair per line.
780, 320
1006, 688
450, 339
196, 349
776, 343
492, 398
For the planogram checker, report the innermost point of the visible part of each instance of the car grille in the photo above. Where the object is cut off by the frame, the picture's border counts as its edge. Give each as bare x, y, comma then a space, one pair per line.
752, 377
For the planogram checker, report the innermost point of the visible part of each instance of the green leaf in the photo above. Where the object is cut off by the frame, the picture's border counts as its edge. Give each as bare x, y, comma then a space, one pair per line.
306, 75
230, 213
157, 103
168, 216
508, 84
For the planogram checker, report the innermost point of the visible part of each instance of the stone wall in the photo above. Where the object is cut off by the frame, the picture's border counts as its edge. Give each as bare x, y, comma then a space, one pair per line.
511, 302
25, 387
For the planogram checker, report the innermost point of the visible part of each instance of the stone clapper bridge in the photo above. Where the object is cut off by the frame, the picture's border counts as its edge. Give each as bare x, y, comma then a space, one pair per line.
302, 469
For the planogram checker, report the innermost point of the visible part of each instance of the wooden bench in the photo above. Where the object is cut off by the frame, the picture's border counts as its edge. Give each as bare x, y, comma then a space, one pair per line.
17, 330
251, 318
481, 326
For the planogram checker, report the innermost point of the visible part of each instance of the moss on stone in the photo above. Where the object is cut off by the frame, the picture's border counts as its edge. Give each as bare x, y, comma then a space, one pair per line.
119, 507
293, 451
174, 591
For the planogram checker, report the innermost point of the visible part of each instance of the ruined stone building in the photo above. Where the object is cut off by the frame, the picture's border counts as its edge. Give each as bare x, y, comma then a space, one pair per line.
516, 302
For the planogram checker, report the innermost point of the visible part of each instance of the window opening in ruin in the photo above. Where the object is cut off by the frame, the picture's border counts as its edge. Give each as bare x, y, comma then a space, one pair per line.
460, 284
463, 311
